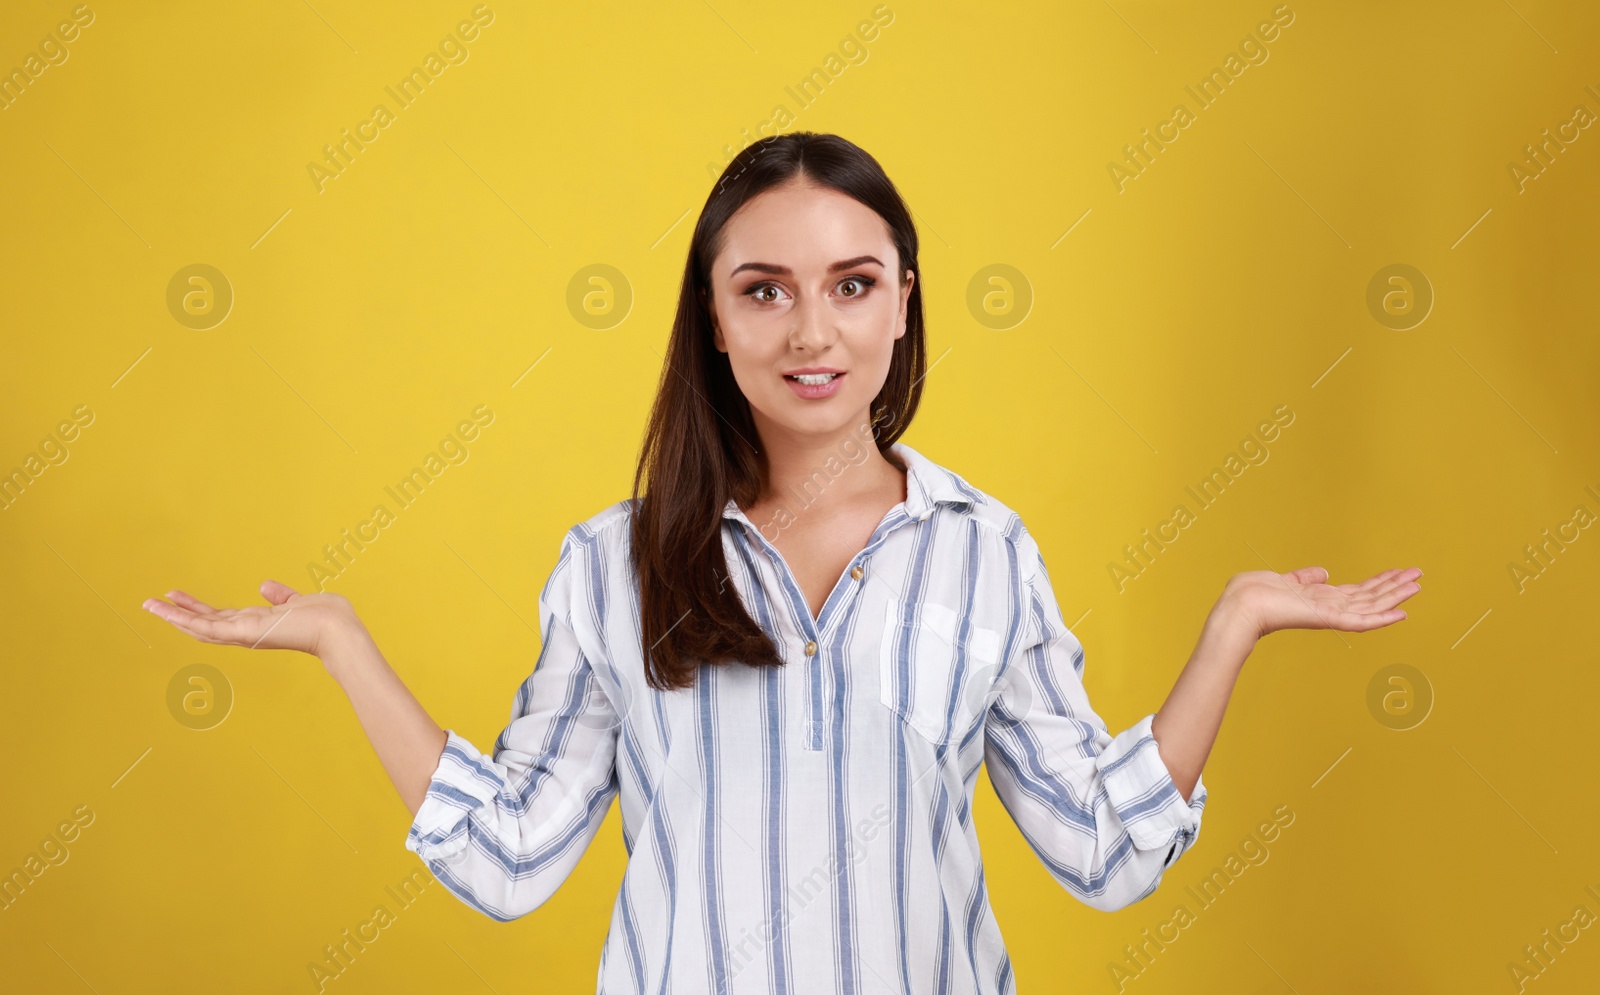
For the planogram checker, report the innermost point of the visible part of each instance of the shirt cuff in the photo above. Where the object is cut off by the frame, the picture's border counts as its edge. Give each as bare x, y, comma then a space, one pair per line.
1144, 796
463, 782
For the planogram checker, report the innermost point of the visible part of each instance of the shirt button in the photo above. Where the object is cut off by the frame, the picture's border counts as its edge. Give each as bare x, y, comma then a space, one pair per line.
855, 572
811, 647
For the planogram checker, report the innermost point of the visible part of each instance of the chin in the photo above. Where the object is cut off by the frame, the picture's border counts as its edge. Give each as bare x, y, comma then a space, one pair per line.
829, 419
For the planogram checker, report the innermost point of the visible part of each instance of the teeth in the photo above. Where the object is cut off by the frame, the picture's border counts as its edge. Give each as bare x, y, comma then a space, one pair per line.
814, 379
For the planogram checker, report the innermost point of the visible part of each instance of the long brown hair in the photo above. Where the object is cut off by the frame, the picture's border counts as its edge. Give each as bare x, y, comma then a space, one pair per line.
699, 449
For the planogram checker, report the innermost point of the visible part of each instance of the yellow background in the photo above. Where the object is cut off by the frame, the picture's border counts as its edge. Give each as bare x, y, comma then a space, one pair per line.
372, 317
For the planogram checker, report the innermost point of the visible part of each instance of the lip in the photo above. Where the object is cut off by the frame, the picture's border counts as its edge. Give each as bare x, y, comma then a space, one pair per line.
816, 392
812, 369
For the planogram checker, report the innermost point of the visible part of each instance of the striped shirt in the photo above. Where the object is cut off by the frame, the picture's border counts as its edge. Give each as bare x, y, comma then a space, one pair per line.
808, 828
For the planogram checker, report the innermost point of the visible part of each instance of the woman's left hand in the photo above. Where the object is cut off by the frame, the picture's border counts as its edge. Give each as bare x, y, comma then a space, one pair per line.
1303, 599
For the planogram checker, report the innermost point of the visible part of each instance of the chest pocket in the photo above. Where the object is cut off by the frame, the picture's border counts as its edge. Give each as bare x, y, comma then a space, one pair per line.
932, 675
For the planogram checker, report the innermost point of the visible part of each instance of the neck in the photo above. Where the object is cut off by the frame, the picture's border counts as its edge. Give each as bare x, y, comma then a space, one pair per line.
820, 471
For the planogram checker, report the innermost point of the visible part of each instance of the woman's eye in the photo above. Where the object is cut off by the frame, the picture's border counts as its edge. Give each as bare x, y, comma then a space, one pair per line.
861, 283
850, 287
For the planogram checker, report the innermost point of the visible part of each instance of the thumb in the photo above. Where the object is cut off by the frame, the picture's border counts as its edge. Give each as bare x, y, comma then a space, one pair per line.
1310, 575
277, 593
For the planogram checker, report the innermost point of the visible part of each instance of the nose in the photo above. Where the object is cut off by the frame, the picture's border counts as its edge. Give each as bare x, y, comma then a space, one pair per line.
813, 329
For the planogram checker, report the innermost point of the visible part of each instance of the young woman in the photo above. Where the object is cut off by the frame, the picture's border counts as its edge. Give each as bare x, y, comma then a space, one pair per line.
791, 655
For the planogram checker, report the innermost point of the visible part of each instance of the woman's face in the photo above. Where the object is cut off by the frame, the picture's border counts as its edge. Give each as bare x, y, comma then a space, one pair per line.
806, 281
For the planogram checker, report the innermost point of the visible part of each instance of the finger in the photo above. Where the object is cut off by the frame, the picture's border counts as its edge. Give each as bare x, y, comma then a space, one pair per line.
181, 618
1405, 581
1350, 621
1378, 589
192, 603
206, 628
1394, 597
1400, 576
189, 601
1309, 575
209, 628
277, 593
234, 631
1378, 581
183, 612
1371, 583
165, 610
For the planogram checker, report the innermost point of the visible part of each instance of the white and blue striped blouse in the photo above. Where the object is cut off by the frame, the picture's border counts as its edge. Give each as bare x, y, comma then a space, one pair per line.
808, 828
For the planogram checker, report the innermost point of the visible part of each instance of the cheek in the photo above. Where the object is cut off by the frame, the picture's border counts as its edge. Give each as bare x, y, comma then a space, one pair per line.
870, 334
750, 342
752, 356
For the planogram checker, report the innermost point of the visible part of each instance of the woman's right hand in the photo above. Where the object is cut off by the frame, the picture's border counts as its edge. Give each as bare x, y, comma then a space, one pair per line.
294, 622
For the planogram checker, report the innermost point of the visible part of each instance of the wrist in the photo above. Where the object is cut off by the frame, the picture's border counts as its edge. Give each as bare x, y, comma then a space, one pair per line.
342, 644
1232, 625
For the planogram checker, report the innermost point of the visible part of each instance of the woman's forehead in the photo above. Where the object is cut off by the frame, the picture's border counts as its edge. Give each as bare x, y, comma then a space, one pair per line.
805, 230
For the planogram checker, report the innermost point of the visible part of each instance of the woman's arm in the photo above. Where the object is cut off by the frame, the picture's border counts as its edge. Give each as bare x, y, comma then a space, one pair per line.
501, 829
407, 740
1107, 814
1252, 605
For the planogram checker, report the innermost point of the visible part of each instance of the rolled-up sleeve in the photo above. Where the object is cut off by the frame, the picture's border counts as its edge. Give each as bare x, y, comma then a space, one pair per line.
1101, 811
503, 832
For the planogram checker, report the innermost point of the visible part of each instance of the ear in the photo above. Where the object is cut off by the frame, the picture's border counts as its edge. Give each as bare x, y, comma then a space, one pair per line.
905, 296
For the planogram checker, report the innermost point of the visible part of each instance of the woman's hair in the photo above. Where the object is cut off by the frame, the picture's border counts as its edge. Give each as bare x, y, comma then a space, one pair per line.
699, 449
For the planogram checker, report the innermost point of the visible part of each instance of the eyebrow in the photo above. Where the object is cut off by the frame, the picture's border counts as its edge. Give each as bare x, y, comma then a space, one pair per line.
777, 270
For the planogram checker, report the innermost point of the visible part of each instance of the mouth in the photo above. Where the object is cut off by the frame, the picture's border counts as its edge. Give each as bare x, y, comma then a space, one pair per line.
813, 379
815, 385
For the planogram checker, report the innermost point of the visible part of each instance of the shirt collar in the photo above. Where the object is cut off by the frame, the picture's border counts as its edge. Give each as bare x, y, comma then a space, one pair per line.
927, 485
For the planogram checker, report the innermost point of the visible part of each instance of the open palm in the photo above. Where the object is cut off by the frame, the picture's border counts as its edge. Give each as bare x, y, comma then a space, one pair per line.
293, 622
1303, 599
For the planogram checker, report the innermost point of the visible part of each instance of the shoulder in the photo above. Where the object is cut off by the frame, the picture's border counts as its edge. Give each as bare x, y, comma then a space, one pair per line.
1000, 524
995, 516
593, 561
597, 545
606, 527
1008, 532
